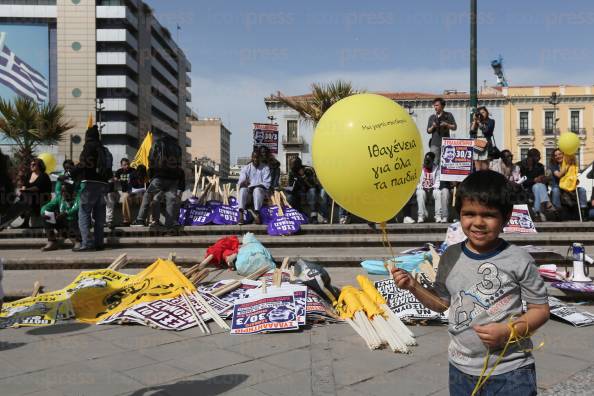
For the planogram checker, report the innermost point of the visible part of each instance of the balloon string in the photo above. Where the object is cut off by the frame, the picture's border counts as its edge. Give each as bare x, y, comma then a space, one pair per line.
386, 242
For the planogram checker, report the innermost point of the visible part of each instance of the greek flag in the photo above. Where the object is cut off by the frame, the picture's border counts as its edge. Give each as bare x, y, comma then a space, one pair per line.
19, 76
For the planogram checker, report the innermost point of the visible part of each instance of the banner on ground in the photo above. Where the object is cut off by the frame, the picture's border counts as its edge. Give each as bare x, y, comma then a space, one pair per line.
265, 313
405, 305
520, 221
570, 314
299, 294
456, 159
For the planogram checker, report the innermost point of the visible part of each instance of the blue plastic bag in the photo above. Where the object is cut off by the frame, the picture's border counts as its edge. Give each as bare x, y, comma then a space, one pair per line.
409, 262
252, 256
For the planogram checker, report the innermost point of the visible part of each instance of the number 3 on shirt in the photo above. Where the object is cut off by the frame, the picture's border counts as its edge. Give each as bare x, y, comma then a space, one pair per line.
491, 282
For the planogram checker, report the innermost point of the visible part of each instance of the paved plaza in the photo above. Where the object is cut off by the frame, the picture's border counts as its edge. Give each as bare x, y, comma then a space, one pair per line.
79, 359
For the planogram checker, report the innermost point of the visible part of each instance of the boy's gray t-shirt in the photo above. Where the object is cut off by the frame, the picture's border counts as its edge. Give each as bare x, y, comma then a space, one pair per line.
486, 289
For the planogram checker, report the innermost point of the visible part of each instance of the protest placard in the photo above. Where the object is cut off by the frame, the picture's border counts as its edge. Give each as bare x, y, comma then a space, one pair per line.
404, 304
520, 221
266, 135
456, 159
265, 313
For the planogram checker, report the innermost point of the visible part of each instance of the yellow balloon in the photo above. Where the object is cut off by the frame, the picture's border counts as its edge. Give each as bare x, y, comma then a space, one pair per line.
569, 143
49, 160
367, 153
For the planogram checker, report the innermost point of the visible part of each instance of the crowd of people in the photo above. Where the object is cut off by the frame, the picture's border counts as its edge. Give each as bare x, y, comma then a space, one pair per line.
86, 193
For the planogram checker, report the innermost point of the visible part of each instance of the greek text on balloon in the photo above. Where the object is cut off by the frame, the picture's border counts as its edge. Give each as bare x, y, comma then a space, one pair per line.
382, 124
377, 151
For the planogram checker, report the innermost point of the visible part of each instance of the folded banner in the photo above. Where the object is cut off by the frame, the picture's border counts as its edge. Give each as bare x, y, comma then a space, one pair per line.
160, 280
42, 310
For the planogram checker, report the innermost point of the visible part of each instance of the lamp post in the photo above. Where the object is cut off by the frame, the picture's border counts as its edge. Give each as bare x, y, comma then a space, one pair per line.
554, 100
99, 107
473, 89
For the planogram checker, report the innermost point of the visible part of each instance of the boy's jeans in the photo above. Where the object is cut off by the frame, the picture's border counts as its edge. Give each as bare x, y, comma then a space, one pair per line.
519, 382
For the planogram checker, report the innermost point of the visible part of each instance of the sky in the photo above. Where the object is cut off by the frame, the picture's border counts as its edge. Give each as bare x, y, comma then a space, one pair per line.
242, 51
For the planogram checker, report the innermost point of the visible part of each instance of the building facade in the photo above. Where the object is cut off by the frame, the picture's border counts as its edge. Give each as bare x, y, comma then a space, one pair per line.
537, 115
113, 59
295, 134
211, 139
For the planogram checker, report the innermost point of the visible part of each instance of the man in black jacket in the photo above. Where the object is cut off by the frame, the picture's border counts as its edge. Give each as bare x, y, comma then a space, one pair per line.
92, 169
164, 172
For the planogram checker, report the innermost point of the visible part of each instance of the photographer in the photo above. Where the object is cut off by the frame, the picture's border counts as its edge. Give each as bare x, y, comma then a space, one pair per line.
484, 140
439, 126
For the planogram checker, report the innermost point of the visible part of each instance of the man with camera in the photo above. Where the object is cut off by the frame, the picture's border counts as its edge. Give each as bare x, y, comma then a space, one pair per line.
439, 126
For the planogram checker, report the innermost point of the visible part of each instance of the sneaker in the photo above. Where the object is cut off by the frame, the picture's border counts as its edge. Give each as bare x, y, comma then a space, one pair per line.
344, 220
408, 220
51, 245
438, 219
138, 223
420, 219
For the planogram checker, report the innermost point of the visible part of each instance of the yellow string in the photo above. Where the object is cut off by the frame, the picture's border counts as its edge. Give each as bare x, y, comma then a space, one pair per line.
513, 338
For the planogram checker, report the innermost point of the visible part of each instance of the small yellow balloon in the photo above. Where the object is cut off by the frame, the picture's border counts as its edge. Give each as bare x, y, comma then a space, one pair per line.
569, 143
49, 160
367, 153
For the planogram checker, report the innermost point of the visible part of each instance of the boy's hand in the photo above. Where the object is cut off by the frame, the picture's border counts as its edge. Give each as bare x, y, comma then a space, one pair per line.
493, 335
403, 279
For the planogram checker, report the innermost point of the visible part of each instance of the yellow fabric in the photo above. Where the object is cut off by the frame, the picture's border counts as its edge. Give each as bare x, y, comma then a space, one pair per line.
569, 180
370, 307
348, 302
370, 290
142, 155
94, 295
162, 279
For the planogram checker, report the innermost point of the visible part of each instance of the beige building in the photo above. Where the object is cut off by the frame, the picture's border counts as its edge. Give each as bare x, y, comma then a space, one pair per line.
535, 116
211, 139
112, 59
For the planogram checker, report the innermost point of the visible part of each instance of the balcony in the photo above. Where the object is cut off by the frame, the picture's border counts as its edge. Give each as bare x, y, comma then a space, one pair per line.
117, 82
293, 141
119, 104
525, 132
117, 35
117, 58
117, 12
578, 131
119, 128
550, 131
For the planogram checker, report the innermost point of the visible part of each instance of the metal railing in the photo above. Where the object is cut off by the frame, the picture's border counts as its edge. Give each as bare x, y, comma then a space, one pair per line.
525, 131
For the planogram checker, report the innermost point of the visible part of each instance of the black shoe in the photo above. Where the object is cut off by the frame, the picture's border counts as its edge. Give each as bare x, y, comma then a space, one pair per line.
83, 249
137, 223
241, 220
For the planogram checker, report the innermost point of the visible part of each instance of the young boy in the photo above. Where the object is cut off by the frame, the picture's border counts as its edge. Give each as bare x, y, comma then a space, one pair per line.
483, 282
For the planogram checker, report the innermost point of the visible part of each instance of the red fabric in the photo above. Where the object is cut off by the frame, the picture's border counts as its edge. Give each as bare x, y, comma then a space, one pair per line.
223, 248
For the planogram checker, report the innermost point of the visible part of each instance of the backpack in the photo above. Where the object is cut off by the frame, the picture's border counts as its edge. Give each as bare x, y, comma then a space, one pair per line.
165, 154
104, 163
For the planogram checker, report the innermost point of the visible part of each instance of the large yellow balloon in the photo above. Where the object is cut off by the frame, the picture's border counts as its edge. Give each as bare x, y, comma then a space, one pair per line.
367, 153
49, 160
569, 143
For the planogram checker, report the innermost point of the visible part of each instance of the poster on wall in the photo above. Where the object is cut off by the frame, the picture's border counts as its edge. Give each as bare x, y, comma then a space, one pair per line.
456, 159
24, 61
266, 135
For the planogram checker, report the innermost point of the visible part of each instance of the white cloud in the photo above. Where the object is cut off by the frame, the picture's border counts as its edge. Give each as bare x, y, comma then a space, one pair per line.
239, 100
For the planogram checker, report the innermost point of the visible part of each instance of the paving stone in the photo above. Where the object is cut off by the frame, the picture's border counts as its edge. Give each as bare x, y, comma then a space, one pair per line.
156, 374
178, 349
202, 386
552, 368
256, 371
200, 362
132, 343
296, 360
293, 384
272, 344
121, 361
20, 385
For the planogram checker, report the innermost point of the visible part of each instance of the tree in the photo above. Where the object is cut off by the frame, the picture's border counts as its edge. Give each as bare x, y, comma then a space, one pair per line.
323, 96
30, 124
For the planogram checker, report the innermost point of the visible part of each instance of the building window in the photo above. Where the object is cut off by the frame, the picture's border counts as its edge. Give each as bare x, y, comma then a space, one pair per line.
290, 157
292, 133
549, 123
523, 153
548, 155
575, 121
524, 123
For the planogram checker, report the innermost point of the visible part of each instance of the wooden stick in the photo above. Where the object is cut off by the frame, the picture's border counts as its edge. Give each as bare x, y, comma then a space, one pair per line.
285, 200
332, 213
285, 265
196, 177
202, 184
454, 199
122, 258
171, 256
36, 289
199, 276
221, 291
215, 316
195, 314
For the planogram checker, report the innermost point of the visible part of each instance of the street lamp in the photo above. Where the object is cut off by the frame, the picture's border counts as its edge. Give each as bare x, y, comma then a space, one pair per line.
99, 107
554, 100
271, 118
74, 139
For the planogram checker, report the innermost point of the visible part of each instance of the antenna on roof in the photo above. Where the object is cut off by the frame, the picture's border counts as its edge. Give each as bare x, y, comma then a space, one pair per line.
497, 65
